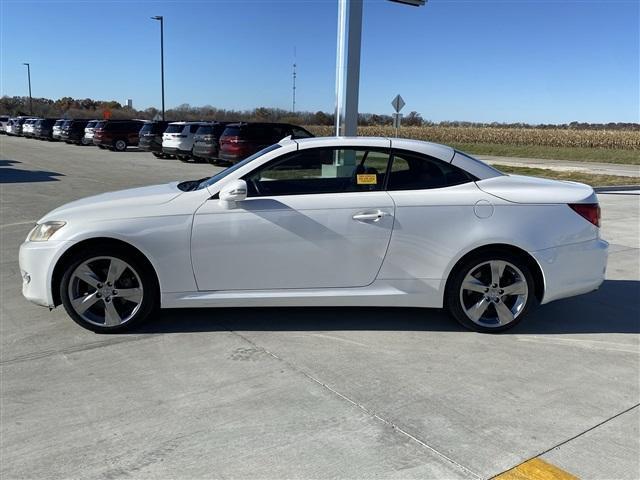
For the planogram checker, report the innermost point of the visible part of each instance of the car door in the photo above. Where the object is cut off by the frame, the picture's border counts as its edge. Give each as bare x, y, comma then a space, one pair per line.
314, 218
435, 215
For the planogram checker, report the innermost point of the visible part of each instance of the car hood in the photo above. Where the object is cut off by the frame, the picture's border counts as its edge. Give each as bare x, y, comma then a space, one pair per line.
523, 189
128, 203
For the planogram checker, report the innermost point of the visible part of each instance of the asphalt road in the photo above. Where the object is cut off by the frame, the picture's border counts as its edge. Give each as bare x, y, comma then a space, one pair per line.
298, 393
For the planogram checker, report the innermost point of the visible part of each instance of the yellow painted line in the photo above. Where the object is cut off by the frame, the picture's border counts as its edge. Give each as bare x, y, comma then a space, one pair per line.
536, 469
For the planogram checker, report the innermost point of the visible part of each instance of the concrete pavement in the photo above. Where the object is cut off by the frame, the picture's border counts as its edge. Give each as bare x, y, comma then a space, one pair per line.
323, 393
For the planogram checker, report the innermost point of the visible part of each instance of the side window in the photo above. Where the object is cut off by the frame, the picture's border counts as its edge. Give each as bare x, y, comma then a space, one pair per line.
412, 171
399, 165
300, 133
320, 170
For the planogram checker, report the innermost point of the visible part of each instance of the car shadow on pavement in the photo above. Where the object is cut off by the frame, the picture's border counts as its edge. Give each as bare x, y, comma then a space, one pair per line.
16, 175
615, 308
7, 163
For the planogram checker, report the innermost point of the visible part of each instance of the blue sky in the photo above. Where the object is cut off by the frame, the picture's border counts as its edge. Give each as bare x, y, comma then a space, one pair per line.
532, 61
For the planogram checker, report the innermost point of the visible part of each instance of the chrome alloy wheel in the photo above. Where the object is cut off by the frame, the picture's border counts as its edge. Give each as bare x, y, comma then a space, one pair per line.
105, 291
494, 293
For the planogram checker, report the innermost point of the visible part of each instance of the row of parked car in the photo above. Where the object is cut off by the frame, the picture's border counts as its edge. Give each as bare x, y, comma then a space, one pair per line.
215, 142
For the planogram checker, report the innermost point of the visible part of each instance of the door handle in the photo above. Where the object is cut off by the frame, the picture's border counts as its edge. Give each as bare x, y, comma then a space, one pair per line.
370, 216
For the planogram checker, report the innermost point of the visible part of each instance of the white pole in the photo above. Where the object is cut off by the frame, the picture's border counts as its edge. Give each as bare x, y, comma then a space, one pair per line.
348, 66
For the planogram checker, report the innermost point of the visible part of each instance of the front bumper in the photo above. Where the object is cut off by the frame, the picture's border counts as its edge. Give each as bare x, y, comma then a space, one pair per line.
572, 270
37, 260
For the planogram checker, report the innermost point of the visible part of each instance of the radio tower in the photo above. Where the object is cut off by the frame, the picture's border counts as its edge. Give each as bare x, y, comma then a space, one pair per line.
293, 109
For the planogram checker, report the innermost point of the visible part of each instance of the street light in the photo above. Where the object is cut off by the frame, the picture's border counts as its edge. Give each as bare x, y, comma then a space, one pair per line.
161, 18
29, 78
348, 63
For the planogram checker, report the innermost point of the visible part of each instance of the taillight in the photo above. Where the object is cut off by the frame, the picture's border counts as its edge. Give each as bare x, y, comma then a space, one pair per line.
231, 139
589, 211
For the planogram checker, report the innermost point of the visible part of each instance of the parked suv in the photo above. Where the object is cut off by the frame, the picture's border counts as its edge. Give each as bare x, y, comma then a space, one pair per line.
206, 141
177, 139
43, 129
151, 137
56, 131
16, 128
27, 127
240, 140
72, 131
87, 139
117, 134
4, 120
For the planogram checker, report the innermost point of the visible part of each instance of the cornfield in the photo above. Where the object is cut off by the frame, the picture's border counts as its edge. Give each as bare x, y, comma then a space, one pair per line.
612, 139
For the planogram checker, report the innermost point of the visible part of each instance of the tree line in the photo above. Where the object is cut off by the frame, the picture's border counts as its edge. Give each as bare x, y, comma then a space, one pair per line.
68, 107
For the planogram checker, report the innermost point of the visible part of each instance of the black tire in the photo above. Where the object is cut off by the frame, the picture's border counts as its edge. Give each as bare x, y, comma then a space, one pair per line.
453, 297
158, 155
150, 298
120, 145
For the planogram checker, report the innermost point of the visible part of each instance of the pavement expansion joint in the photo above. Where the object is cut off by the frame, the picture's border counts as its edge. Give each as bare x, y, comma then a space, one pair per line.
360, 407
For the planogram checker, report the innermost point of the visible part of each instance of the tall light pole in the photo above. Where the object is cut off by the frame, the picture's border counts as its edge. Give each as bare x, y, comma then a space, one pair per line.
348, 63
29, 78
161, 18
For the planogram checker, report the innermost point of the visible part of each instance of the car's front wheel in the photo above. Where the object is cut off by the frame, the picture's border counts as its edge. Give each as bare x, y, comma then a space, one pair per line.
108, 291
491, 292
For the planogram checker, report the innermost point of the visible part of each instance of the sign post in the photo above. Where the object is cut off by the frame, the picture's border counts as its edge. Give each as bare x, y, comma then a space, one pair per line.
398, 104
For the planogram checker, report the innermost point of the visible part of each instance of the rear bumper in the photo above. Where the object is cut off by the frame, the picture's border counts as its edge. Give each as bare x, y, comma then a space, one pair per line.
175, 151
205, 152
149, 147
231, 157
572, 270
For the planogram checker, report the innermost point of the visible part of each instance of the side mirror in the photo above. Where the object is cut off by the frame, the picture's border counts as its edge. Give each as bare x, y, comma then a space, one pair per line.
233, 192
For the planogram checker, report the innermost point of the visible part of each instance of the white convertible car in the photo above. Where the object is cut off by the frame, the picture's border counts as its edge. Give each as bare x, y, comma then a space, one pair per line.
323, 222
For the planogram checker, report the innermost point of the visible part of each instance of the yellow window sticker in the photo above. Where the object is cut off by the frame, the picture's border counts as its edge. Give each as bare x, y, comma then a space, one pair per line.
367, 179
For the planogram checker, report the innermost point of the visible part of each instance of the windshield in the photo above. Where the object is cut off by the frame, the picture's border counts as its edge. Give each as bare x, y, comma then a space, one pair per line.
233, 168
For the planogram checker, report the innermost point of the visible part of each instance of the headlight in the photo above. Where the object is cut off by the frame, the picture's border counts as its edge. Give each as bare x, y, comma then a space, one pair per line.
43, 231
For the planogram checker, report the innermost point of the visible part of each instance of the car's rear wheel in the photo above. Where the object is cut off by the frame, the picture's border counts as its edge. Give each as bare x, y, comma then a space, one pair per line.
108, 291
120, 145
491, 292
